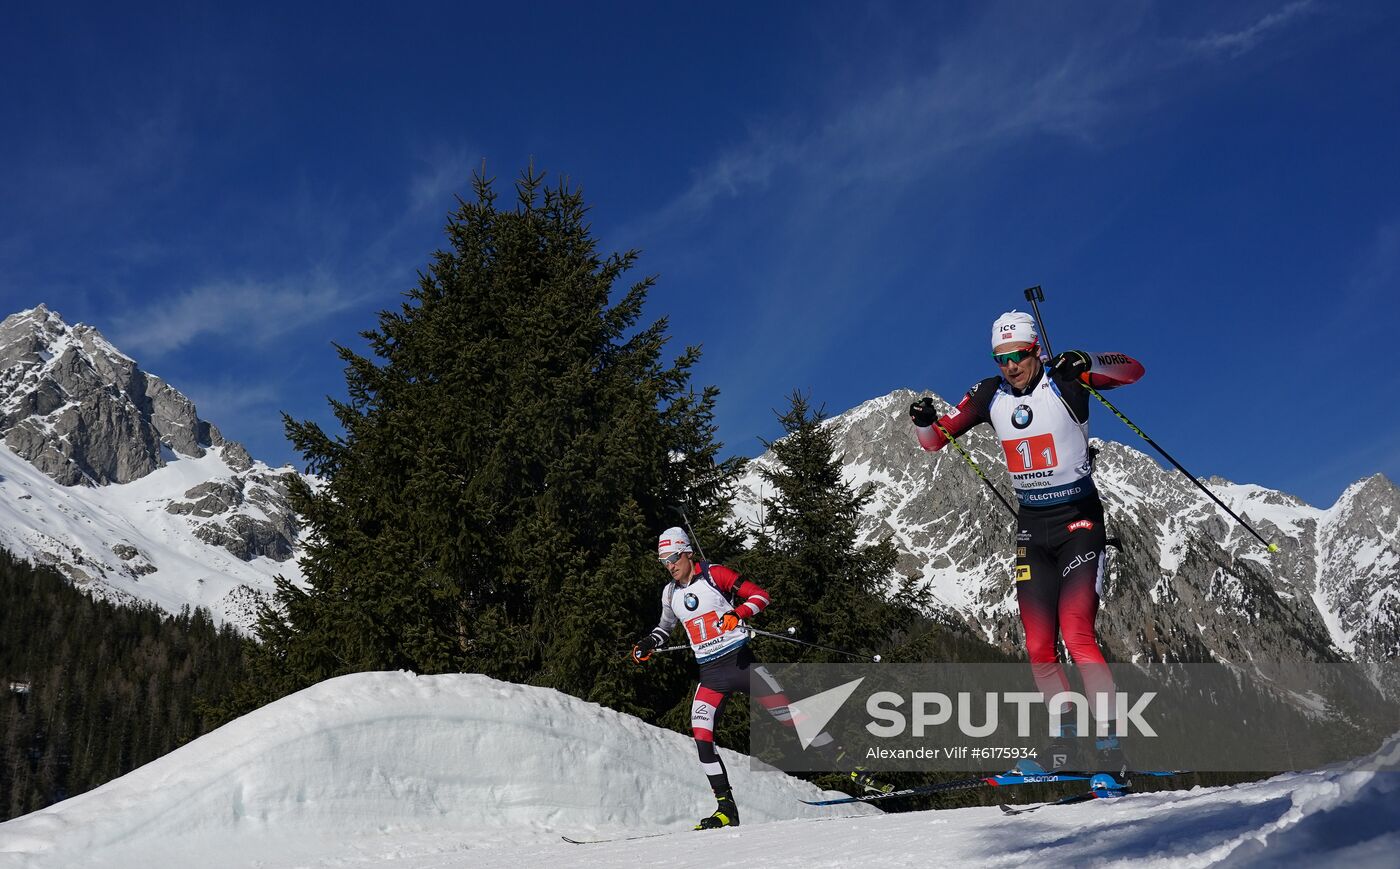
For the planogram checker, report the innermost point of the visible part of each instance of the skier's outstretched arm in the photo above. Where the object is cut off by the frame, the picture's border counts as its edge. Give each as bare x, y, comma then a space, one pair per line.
968, 412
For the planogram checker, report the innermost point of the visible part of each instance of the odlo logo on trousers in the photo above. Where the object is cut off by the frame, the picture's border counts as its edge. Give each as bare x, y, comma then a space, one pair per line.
1079, 561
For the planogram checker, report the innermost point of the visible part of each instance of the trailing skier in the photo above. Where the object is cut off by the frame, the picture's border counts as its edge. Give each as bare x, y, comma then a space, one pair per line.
1040, 413
698, 599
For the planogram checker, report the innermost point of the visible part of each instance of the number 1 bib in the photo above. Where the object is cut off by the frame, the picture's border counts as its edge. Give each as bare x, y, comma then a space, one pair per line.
1047, 450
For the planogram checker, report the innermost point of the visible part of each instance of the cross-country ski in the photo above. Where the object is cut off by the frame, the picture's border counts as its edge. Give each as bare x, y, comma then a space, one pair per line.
999, 780
1101, 787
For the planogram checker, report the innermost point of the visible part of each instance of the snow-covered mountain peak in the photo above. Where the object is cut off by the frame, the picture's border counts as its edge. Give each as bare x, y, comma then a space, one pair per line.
38, 350
111, 477
43, 332
1377, 500
1358, 561
1186, 583
83, 412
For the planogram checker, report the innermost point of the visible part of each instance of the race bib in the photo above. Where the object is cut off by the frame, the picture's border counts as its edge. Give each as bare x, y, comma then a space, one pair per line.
703, 627
1036, 453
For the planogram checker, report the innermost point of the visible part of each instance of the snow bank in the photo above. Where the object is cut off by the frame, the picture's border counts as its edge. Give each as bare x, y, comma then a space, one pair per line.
444, 772
347, 764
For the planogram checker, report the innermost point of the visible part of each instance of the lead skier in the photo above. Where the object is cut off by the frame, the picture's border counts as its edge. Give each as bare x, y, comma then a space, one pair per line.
1041, 416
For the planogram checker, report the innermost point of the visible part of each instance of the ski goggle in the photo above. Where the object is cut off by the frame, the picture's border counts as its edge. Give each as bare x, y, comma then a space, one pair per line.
673, 558
1015, 355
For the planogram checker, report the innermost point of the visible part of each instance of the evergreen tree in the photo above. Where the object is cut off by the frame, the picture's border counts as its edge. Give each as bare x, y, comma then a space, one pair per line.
510, 449
834, 590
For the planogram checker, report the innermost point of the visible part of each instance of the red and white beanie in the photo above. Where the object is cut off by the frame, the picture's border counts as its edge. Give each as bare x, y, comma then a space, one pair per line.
672, 540
1013, 327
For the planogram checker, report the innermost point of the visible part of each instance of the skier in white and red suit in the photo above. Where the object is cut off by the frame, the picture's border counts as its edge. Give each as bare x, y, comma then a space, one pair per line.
1040, 413
698, 599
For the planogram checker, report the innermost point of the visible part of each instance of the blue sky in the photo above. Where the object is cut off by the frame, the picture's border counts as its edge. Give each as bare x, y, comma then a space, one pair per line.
835, 197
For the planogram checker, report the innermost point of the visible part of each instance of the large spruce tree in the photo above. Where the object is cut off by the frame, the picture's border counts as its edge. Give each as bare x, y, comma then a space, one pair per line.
509, 451
834, 589
824, 582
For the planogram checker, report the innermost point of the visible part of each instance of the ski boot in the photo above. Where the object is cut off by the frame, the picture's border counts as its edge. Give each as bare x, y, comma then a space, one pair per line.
1109, 758
1060, 753
863, 779
1104, 786
726, 814
868, 782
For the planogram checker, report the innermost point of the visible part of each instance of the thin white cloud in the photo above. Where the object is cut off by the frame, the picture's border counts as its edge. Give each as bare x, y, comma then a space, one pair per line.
443, 175
257, 312
958, 103
1005, 79
1372, 286
254, 312
987, 88
1238, 42
733, 174
1380, 271
233, 399
244, 411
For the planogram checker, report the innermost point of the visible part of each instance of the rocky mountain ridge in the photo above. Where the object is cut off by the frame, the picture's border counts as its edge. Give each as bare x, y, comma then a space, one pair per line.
1186, 584
110, 475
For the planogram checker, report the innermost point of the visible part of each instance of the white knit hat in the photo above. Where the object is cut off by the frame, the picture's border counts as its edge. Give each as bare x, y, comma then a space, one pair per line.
672, 540
1013, 327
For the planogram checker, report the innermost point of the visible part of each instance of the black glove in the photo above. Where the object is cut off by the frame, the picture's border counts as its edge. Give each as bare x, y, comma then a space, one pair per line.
1070, 364
923, 413
644, 647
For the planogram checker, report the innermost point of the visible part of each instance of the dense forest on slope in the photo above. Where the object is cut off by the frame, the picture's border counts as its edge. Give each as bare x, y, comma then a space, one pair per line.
92, 690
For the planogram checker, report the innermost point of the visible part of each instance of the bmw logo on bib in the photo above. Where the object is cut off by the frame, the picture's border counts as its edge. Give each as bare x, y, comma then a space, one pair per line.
692, 602
1021, 416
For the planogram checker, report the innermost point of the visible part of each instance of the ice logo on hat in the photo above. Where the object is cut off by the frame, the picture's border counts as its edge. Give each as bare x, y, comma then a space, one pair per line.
1013, 327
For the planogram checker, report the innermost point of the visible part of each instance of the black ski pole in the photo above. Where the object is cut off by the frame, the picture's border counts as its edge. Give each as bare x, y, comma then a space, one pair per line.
1035, 294
1272, 547
677, 648
790, 639
975, 467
